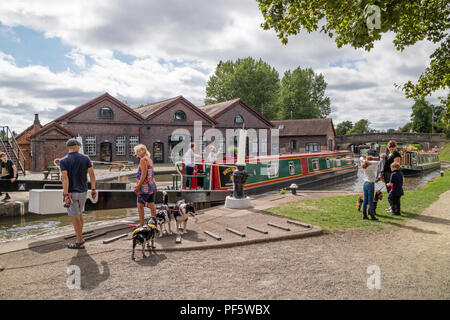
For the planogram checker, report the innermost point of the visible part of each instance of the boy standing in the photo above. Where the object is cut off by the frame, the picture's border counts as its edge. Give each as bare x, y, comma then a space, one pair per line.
396, 188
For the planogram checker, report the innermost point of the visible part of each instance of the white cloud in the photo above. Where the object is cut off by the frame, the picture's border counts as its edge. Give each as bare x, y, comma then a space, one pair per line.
191, 37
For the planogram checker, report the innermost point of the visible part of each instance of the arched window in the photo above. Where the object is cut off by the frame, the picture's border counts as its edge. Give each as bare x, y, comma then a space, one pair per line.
238, 119
180, 115
106, 113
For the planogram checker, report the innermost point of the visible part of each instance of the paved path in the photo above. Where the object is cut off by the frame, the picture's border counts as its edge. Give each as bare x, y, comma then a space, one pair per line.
414, 261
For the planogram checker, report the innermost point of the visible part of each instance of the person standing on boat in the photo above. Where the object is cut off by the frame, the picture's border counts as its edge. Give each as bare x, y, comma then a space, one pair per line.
146, 186
8, 172
369, 169
74, 169
392, 156
189, 163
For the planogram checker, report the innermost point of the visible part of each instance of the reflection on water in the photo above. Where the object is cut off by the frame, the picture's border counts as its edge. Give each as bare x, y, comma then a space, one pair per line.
13, 228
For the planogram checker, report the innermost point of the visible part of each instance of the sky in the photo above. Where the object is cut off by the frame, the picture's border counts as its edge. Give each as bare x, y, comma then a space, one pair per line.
56, 55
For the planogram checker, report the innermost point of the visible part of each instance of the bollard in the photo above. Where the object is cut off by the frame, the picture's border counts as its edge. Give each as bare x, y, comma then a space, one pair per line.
442, 173
293, 188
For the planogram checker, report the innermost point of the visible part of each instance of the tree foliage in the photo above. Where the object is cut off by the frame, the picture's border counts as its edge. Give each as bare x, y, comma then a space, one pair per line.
302, 95
347, 22
344, 128
361, 127
425, 115
255, 81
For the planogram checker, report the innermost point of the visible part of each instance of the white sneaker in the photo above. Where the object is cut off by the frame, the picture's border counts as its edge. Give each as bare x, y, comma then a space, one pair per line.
389, 209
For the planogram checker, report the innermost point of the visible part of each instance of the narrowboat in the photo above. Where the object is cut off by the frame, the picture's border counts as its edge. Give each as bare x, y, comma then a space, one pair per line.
307, 170
415, 163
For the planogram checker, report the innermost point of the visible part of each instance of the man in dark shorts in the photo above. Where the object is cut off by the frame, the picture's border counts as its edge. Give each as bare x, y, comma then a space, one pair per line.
8, 172
74, 168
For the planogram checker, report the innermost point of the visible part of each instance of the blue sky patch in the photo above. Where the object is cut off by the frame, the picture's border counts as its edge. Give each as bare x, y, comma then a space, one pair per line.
30, 47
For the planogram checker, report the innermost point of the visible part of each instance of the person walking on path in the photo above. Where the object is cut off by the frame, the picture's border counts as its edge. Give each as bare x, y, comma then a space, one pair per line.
145, 188
391, 156
74, 169
369, 169
8, 172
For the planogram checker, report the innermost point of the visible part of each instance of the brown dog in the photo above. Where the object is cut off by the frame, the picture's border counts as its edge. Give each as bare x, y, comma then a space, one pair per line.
377, 196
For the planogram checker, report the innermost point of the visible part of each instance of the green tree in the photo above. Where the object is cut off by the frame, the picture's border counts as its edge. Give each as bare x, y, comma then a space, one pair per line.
256, 82
406, 128
302, 95
421, 116
344, 128
354, 22
361, 127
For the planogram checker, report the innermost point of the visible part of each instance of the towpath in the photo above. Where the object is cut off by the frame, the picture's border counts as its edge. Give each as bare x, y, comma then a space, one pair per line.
414, 263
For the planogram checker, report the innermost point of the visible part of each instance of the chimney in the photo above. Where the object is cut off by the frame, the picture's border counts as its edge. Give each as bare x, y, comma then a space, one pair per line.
36, 124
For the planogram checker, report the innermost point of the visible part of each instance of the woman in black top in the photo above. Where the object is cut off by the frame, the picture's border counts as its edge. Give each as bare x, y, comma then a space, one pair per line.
390, 158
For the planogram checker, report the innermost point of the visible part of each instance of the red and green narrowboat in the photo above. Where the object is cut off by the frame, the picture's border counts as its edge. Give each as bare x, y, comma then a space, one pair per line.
271, 172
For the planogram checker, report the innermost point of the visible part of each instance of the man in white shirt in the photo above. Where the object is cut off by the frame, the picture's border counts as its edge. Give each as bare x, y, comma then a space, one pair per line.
189, 163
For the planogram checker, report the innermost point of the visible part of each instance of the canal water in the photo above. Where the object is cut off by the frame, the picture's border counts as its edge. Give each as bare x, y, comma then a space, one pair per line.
31, 225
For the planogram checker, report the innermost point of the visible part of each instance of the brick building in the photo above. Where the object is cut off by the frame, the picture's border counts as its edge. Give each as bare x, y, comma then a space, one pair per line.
110, 129
24, 141
306, 135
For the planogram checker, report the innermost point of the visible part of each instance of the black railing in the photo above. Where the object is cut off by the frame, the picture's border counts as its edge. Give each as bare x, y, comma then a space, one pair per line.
11, 147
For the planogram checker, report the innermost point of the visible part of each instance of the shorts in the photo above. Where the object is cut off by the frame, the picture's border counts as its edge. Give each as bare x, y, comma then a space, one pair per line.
78, 202
146, 197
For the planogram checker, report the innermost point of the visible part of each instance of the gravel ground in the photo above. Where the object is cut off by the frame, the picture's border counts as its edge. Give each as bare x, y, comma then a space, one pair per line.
414, 261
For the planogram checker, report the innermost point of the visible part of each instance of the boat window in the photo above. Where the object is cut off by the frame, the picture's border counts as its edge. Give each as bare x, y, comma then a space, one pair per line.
328, 163
315, 164
291, 168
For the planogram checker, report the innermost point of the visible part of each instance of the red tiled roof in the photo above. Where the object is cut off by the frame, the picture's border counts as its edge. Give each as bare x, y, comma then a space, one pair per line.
97, 100
216, 109
153, 109
304, 127
50, 125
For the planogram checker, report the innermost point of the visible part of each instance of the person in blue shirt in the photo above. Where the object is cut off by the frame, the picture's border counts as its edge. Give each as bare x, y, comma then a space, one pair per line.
396, 188
74, 169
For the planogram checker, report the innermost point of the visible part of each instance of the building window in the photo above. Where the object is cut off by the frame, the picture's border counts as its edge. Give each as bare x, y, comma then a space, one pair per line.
120, 146
312, 147
132, 142
238, 119
330, 144
90, 143
293, 145
180, 115
106, 113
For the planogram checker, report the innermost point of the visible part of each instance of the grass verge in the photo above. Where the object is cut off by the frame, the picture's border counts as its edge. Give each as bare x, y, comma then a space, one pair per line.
444, 152
338, 214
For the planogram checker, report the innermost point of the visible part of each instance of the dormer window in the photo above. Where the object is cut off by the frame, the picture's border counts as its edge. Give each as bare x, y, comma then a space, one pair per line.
180, 115
238, 119
106, 113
